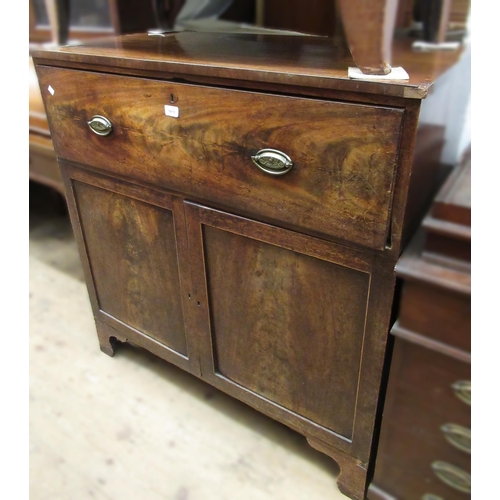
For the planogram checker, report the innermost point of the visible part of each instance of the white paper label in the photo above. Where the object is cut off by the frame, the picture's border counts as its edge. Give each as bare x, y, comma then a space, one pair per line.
172, 111
51, 90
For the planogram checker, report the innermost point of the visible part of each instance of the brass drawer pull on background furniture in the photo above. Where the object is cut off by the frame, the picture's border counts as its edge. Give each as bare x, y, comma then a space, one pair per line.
272, 161
462, 391
430, 496
452, 476
458, 436
100, 125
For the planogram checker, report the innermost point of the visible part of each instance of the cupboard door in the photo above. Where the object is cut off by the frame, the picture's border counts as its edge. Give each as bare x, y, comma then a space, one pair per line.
286, 321
130, 245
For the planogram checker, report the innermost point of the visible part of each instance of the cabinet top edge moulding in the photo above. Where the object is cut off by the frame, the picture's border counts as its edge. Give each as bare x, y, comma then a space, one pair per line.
286, 60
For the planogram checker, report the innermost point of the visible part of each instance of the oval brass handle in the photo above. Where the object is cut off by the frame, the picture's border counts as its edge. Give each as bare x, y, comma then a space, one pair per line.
100, 125
452, 476
461, 388
273, 162
431, 496
458, 436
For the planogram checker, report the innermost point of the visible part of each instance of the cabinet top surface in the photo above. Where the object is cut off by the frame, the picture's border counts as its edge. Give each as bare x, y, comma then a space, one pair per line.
283, 60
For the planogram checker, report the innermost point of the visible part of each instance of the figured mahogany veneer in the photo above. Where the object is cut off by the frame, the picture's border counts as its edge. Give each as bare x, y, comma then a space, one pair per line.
344, 154
276, 290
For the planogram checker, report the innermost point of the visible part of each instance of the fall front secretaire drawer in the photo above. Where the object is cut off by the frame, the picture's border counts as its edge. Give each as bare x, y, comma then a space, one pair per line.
337, 160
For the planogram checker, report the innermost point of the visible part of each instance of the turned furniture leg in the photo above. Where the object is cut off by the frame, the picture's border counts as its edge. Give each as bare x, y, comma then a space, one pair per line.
352, 480
58, 13
369, 29
108, 338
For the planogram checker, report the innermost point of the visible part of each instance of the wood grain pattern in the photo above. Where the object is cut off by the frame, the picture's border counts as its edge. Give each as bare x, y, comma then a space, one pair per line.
132, 252
226, 252
297, 323
207, 151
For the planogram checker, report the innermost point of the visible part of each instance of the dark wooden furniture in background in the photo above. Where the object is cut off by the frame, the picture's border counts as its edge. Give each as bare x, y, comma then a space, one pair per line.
320, 17
90, 18
425, 438
276, 289
441, 19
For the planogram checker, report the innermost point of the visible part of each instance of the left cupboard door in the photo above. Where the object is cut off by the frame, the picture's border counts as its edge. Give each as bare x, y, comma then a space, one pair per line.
131, 242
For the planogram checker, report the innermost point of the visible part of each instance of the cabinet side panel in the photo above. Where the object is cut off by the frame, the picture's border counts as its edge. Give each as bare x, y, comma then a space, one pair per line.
287, 326
132, 252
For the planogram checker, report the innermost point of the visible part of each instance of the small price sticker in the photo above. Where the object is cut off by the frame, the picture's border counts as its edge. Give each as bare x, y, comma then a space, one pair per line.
172, 111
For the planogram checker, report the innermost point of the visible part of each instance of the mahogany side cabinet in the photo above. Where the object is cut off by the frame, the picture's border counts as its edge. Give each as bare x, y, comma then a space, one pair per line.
239, 205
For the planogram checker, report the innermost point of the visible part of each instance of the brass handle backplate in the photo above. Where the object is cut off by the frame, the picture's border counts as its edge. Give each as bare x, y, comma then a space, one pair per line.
452, 476
458, 436
431, 496
462, 391
272, 161
100, 125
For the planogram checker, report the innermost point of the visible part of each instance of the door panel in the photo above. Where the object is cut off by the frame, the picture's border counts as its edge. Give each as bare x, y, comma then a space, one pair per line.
287, 326
285, 317
132, 253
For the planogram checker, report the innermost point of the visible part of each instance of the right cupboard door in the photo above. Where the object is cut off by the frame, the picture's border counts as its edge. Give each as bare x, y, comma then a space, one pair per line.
289, 324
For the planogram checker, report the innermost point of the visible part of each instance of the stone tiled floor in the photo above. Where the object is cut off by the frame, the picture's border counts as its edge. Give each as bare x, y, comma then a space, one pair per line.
134, 426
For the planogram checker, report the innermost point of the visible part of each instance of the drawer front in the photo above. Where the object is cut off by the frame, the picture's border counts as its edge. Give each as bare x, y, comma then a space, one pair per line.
408, 467
438, 313
423, 386
344, 155
425, 436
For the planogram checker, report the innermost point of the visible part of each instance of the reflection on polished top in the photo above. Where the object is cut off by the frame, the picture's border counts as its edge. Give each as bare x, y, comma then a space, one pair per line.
292, 60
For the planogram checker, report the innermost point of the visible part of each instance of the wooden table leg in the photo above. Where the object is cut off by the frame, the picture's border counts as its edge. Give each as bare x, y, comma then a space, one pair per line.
369, 28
